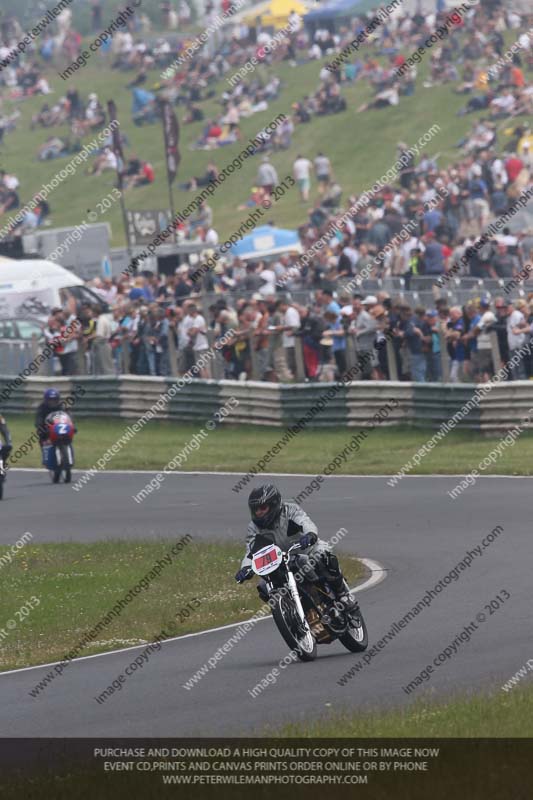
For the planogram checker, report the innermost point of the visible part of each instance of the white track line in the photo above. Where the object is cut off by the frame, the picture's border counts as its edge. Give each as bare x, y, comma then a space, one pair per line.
273, 474
378, 574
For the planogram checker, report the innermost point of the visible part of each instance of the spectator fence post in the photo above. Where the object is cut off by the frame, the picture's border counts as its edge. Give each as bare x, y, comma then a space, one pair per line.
351, 350
299, 358
496, 354
391, 361
125, 356
217, 367
253, 357
172, 354
444, 358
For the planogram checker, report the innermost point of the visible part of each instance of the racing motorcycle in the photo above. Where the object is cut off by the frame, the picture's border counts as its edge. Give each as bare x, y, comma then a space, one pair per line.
306, 613
58, 453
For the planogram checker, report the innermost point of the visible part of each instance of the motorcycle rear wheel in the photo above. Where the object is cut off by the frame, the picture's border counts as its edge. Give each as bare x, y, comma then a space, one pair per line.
285, 614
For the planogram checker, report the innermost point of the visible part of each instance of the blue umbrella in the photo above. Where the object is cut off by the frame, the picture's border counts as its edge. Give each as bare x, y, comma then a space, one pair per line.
266, 241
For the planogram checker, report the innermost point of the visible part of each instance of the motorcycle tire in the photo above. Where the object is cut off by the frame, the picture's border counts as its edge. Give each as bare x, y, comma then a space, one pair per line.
65, 463
282, 613
356, 638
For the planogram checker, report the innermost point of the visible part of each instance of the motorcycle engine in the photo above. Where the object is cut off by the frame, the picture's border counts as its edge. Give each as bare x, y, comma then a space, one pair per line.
320, 633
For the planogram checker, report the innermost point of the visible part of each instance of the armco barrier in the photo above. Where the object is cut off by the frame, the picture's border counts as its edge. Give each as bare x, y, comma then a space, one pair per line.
329, 404
259, 403
366, 398
194, 402
353, 405
99, 393
505, 406
435, 403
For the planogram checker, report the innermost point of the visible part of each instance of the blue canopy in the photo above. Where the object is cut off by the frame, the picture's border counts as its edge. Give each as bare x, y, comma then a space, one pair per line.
340, 8
266, 241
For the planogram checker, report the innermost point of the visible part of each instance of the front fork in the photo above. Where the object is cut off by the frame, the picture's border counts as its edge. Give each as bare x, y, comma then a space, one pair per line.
293, 588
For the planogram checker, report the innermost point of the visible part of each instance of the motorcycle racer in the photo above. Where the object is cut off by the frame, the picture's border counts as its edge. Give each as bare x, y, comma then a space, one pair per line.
282, 522
51, 402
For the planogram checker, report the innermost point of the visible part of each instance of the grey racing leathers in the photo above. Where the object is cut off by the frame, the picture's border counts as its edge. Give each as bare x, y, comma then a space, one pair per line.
291, 524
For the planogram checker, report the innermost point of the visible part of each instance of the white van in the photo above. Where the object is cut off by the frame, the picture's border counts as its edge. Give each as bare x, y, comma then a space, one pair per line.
32, 287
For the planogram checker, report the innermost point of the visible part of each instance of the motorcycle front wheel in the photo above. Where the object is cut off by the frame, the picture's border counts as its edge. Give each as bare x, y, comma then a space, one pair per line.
356, 637
289, 625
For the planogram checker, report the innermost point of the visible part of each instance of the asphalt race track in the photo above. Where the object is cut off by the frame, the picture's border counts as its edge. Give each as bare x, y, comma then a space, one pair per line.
415, 531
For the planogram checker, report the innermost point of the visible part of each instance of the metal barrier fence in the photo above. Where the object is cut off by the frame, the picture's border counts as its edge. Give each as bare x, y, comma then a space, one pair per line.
347, 405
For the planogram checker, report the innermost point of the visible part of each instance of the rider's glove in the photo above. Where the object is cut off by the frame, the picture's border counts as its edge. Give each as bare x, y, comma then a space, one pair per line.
308, 539
244, 574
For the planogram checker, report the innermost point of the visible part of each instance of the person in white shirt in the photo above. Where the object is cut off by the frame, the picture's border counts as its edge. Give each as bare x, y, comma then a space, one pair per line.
195, 328
517, 329
481, 359
291, 323
269, 278
301, 170
211, 237
11, 182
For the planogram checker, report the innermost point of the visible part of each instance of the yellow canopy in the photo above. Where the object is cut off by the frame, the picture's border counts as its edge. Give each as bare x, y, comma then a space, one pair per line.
277, 13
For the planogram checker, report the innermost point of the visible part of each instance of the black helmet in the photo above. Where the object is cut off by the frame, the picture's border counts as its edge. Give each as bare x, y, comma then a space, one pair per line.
52, 398
265, 505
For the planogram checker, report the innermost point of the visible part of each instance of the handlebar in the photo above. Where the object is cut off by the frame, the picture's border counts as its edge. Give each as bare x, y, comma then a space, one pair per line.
293, 547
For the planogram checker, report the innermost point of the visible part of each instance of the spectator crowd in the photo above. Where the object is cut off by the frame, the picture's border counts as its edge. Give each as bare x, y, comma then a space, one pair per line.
425, 221
150, 327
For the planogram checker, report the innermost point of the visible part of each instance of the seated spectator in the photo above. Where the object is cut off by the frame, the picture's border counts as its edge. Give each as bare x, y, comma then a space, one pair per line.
143, 177
54, 147
106, 161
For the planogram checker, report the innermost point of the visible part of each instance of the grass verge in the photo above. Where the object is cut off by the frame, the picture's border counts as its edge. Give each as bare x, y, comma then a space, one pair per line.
237, 449
500, 715
78, 584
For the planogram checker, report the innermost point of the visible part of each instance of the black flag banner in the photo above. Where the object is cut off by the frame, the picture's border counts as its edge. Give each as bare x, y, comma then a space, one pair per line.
172, 135
116, 140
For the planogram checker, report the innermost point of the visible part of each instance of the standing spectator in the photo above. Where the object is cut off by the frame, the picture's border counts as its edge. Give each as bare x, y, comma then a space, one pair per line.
504, 265
434, 262
291, 323
70, 330
322, 166
335, 330
431, 329
102, 354
276, 349
364, 327
195, 328
412, 335
502, 310
301, 170
456, 348
267, 177
517, 329
260, 325
161, 331
312, 328
481, 324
